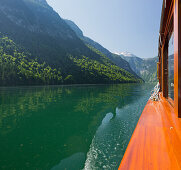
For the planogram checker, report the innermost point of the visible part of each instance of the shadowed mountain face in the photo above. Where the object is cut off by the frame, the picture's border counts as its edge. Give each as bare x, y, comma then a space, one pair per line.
145, 68
116, 59
37, 29
34, 25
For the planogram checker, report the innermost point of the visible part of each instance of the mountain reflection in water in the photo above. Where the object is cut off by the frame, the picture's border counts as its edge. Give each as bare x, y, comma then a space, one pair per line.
68, 127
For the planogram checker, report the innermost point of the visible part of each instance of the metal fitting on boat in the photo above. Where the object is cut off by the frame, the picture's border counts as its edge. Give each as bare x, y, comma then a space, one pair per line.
155, 93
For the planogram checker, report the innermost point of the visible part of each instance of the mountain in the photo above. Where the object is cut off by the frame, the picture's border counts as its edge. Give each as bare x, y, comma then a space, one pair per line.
37, 31
145, 68
116, 59
16, 68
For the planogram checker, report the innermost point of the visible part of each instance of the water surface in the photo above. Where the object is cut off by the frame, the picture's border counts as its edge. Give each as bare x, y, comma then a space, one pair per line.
68, 127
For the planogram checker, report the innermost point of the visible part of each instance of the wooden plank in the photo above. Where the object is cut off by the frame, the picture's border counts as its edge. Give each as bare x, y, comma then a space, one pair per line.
155, 143
177, 57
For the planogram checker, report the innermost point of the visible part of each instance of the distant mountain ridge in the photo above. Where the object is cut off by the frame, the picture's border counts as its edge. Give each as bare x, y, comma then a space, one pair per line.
113, 57
41, 2
145, 68
125, 54
37, 29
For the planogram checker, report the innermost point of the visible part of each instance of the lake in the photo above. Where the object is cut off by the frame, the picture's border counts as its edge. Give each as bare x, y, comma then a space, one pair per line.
68, 127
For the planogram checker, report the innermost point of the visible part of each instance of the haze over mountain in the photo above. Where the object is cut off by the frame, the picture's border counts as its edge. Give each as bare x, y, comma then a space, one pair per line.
34, 30
116, 59
145, 68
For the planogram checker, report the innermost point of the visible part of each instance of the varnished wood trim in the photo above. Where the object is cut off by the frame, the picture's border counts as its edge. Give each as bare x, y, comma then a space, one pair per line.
155, 143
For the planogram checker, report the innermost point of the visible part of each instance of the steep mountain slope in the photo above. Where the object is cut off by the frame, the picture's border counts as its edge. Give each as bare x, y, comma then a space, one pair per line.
34, 25
39, 31
113, 57
145, 68
16, 68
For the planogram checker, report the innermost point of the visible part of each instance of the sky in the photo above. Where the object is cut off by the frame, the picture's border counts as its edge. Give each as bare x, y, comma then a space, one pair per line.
118, 25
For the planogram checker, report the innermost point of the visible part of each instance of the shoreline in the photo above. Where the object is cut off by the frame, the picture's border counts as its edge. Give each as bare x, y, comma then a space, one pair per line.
70, 85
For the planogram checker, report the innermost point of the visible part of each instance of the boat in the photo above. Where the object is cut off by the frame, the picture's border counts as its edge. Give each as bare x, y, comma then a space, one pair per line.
156, 140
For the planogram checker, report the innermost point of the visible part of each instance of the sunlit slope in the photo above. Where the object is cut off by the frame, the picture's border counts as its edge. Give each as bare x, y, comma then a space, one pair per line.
37, 29
116, 59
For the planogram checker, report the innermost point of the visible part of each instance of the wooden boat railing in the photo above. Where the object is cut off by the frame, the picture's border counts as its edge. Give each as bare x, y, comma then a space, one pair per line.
155, 143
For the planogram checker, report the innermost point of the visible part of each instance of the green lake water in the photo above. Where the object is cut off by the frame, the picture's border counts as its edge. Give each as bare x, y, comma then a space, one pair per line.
68, 127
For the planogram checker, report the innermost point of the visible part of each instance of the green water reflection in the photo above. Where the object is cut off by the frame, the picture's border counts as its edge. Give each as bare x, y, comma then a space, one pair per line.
56, 127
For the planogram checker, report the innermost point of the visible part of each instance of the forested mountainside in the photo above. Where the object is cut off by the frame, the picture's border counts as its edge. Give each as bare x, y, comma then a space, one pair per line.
17, 68
116, 59
145, 68
38, 47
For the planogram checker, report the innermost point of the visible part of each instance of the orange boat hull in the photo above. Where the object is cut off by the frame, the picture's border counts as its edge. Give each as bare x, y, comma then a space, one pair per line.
155, 143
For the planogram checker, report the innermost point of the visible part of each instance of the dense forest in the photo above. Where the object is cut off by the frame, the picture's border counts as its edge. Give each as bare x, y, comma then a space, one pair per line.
116, 59
18, 68
39, 48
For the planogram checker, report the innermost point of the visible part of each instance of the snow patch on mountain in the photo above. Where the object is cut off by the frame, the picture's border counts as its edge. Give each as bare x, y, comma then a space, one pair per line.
125, 54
